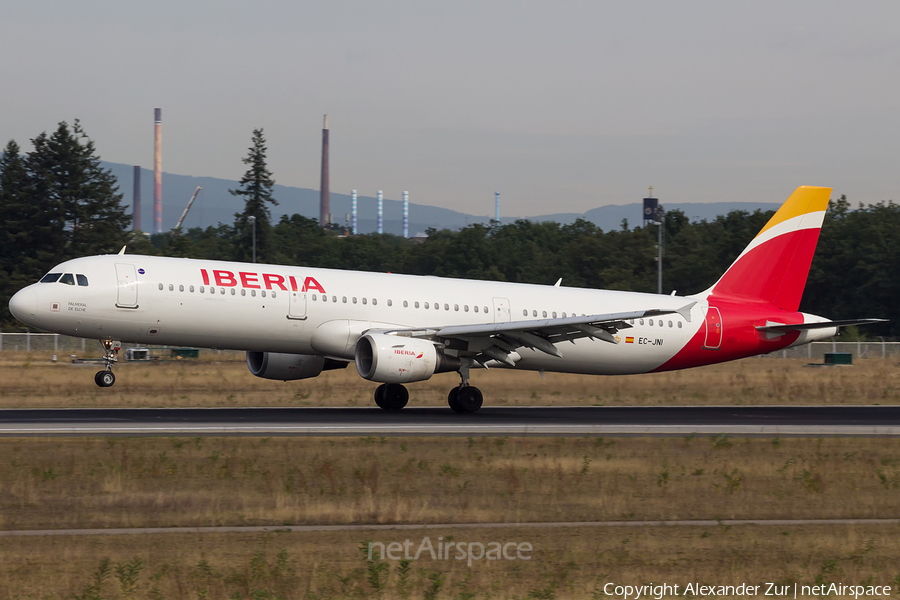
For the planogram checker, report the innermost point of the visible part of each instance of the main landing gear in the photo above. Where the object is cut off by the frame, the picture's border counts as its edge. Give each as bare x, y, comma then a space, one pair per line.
391, 396
106, 378
465, 398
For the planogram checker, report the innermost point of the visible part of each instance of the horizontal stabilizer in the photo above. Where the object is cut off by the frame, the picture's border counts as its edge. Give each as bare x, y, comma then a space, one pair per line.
823, 325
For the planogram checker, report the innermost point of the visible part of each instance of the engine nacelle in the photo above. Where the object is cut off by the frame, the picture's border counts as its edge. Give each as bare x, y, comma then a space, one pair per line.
275, 365
395, 359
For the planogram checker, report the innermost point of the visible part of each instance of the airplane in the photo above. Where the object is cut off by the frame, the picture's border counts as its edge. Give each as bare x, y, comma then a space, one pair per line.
296, 322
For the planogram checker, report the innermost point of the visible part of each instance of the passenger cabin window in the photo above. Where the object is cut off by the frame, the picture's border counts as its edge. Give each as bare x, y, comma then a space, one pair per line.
191, 289
68, 279
417, 305
82, 280
51, 278
476, 310
171, 288
233, 292
160, 287
524, 312
180, 288
253, 293
243, 292
405, 304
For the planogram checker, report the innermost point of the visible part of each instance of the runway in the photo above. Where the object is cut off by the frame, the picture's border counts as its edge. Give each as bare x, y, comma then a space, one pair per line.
557, 421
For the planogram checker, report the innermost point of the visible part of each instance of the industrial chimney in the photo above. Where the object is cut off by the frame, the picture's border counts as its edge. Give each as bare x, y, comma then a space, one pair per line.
136, 201
324, 194
157, 172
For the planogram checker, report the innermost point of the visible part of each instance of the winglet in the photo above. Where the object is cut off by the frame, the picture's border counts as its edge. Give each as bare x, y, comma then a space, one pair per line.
685, 311
122, 251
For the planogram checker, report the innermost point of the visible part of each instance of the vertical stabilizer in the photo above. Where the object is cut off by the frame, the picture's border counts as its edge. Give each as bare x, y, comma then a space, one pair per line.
774, 267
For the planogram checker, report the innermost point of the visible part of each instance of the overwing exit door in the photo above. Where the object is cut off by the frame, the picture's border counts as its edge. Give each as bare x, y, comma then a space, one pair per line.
501, 310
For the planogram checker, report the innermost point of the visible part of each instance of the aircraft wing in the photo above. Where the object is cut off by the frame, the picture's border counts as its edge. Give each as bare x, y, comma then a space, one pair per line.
498, 341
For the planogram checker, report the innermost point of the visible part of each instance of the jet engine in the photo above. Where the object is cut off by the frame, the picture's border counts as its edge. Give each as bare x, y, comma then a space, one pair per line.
395, 359
274, 365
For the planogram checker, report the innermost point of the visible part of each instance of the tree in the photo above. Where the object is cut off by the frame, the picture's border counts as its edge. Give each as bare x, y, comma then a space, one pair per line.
79, 200
256, 188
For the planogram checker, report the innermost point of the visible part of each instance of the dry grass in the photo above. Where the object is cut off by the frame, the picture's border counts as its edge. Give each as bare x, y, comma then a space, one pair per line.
133, 482
565, 563
35, 382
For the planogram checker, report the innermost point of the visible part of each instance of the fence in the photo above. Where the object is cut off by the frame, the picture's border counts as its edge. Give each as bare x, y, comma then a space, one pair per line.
54, 342
816, 351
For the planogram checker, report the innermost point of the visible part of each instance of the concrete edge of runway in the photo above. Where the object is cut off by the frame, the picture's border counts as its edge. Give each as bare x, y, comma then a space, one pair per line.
433, 526
456, 430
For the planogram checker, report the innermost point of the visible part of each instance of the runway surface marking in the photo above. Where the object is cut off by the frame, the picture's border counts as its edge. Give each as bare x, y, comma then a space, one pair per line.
538, 420
404, 526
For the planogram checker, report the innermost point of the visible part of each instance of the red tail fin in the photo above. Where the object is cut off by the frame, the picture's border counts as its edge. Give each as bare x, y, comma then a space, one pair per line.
774, 267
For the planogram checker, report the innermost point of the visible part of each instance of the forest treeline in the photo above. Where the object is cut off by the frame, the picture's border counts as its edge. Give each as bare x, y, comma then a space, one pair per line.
854, 273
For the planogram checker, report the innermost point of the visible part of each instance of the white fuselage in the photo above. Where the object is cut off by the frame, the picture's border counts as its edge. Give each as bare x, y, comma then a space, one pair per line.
254, 307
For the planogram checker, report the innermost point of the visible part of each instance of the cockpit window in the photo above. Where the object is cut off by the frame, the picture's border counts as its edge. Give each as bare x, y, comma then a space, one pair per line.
68, 279
50, 277
82, 279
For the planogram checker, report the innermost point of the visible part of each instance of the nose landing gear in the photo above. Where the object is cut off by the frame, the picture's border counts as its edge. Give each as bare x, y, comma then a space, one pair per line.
106, 378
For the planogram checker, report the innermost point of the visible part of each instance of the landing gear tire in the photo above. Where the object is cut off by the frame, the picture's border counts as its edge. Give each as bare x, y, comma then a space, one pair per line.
465, 399
391, 396
453, 400
105, 378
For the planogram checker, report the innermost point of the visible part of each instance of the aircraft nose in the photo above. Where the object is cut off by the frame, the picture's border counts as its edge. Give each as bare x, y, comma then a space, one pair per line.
23, 305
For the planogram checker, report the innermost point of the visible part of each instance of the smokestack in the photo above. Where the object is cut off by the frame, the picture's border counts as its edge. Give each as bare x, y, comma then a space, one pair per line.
353, 212
136, 201
324, 193
497, 207
380, 211
157, 171
406, 214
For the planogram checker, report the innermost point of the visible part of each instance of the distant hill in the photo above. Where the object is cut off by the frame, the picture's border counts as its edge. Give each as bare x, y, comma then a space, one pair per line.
215, 205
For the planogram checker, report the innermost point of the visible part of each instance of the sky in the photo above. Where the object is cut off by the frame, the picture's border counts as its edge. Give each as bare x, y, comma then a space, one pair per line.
561, 106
